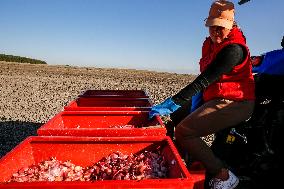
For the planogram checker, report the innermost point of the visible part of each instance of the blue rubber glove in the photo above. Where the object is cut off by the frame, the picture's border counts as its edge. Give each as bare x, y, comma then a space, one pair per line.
196, 101
165, 108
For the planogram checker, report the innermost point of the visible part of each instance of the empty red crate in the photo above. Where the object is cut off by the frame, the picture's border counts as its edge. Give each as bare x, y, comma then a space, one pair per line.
103, 123
115, 93
109, 103
85, 151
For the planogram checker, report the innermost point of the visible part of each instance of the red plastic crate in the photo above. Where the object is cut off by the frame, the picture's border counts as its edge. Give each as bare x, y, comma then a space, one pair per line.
103, 124
84, 151
115, 93
108, 103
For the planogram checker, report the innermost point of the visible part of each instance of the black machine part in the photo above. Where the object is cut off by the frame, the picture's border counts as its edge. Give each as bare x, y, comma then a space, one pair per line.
243, 2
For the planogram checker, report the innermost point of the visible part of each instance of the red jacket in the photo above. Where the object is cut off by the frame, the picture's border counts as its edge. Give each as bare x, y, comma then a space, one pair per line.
239, 83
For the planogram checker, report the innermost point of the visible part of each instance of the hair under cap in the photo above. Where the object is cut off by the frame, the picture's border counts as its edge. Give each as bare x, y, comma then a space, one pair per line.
222, 14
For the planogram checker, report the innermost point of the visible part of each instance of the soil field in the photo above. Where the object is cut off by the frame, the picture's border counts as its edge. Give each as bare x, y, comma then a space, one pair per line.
32, 94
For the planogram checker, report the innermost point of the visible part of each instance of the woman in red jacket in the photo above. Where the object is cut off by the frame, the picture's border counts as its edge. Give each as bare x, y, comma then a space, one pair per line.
228, 92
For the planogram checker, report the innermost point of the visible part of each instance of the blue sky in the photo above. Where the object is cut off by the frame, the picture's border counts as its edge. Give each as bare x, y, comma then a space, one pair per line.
159, 35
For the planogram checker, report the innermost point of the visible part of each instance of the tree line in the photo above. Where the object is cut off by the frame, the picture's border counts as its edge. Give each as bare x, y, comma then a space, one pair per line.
11, 58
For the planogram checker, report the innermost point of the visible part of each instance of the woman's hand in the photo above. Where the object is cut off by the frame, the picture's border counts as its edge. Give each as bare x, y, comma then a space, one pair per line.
165, 108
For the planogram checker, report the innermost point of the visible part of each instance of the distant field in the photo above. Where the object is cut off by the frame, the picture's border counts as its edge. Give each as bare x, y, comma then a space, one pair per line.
35, 93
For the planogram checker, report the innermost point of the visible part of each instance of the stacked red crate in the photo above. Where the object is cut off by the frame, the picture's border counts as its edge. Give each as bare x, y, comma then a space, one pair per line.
106, 113
103, 124
84, 151
92, 126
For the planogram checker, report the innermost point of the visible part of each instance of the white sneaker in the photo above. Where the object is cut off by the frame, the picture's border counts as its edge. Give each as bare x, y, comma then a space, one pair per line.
230, 183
